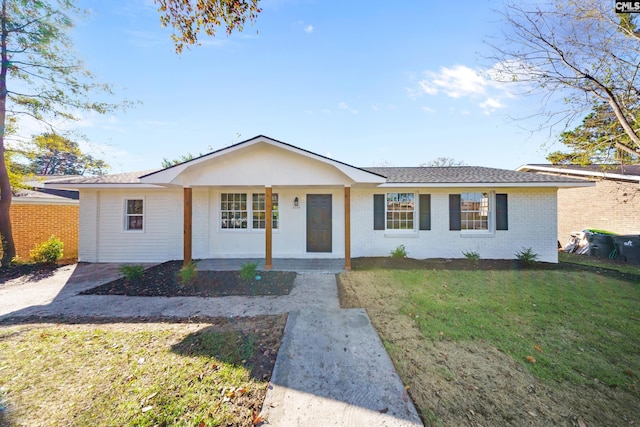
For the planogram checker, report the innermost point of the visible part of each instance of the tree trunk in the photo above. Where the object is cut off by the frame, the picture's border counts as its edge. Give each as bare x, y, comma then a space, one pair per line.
8, 247
6, 234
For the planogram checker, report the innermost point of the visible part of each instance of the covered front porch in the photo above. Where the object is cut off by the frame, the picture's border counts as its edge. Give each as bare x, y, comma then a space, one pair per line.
267, 200
299, 265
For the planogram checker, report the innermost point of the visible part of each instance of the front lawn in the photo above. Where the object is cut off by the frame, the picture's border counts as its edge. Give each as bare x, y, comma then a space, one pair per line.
508, 346
133, 374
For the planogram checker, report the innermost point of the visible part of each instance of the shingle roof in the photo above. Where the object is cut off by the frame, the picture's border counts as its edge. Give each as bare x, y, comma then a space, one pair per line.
397, 175
463, 175
120, 178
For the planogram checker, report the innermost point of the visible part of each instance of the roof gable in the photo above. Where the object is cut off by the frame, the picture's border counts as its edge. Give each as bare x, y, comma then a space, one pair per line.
261, 161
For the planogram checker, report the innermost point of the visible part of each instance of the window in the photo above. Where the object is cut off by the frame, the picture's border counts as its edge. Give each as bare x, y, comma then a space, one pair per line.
235, 210
259, 208
478, 212
134, 214
400, 211
474, 211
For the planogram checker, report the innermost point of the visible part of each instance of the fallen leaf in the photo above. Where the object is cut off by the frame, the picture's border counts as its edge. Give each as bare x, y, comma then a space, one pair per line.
256, 418
531, 359
147, 408
533, 414
538, 348
581, 423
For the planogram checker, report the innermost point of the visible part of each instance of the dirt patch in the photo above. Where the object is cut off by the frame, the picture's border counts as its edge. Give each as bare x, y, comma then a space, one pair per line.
473, 383
162, 280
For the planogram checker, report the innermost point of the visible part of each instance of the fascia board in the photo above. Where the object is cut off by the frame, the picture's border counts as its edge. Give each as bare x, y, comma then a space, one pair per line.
489, 184
567, 171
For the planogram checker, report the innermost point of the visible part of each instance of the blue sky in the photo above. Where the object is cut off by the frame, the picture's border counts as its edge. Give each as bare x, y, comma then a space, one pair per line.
363, 82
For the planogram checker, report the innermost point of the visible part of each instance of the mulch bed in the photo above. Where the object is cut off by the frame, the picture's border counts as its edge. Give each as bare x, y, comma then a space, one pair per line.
32, 271
162, 280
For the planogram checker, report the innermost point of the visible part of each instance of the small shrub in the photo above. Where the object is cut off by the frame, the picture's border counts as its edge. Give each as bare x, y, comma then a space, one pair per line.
49, 251
527, 256
188, 273
249, 270
399, 252
472, 256
132, 272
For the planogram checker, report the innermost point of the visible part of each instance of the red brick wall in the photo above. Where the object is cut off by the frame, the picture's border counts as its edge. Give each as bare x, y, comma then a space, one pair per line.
33, 224
610, 205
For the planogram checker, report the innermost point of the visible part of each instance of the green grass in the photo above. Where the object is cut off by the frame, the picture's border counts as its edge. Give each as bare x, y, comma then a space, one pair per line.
599, 262
579, 326
98, 376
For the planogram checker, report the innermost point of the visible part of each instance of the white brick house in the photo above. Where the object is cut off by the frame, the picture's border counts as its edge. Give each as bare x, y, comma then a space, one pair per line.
263, 198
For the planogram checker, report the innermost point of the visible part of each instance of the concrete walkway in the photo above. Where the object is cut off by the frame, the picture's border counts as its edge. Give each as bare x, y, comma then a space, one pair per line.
331, 368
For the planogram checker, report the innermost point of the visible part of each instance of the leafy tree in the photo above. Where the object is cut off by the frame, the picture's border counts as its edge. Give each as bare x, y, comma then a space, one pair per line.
594, 141
443, 161
581, 51
166, 163
40, 78
54, 154
188, 18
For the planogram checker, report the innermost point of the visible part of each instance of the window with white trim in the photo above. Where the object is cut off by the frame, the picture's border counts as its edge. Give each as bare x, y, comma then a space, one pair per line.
259, 211
235, 210
474, 211
134, 214
400, 211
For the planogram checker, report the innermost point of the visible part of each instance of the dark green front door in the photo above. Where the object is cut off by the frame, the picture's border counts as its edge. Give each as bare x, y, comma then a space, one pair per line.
318, 222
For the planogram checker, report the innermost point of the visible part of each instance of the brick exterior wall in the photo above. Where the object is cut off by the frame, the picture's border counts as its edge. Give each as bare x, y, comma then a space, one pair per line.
610, 205
34, 223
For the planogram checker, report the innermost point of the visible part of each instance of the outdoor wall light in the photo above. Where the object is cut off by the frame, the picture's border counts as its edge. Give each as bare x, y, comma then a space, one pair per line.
295, 202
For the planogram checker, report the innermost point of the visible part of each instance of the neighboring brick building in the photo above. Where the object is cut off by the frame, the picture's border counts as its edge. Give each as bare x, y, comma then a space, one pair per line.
612, 205
35, 216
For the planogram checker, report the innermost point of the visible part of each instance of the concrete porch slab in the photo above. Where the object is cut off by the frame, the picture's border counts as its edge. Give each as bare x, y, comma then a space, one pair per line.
299, 265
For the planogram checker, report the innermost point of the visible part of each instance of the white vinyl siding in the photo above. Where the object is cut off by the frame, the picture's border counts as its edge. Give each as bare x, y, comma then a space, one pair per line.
107, 241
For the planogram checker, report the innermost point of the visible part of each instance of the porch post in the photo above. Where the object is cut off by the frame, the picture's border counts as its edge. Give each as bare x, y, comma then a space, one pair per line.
187, 225
347, 228
268, 228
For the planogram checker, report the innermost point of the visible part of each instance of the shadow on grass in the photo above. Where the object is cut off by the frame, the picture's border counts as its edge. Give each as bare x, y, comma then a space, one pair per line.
256, 353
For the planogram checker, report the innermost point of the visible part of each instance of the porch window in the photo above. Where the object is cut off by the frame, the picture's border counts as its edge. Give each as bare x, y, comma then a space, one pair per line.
400, 209
134, 214
259, 211
237, 208
233, 210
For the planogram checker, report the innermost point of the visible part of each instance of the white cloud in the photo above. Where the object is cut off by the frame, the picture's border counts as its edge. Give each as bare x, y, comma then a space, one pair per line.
490, 105
380, 106
344, 106
308, 29
485, 87
455, 82
428, 110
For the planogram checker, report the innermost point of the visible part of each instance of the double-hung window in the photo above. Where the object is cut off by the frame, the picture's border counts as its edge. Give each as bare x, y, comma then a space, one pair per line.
233, 210
237, 208
134, 214
259, 208
478, 212
400, 211
474, 211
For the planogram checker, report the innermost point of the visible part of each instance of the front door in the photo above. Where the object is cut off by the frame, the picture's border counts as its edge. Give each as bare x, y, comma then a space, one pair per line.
318, 222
